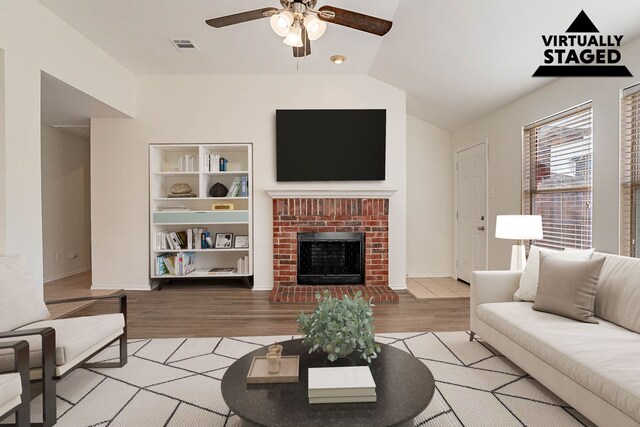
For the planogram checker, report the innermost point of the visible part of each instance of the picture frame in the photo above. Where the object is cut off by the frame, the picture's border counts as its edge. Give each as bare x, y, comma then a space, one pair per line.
223, 240
241, 241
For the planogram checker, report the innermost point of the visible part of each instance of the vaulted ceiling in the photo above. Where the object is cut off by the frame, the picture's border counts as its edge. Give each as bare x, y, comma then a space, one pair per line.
457, 59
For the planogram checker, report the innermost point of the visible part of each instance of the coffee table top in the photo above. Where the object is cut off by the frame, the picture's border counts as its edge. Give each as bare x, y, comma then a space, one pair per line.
404, 386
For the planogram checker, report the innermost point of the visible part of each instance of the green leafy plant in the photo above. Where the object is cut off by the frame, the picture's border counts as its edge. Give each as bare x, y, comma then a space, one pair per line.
340, 326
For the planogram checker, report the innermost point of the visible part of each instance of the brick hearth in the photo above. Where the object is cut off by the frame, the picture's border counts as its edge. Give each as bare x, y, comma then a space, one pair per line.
301, 215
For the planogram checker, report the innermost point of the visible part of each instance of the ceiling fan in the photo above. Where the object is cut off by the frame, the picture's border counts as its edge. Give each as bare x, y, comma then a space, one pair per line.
300, 23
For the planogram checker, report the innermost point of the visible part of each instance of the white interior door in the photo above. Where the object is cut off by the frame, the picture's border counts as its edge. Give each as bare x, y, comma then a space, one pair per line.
471, 211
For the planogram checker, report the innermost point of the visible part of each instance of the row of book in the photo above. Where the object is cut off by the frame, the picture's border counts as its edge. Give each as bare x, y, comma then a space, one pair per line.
192, 238
178, 265
213, 163
184, 263
239, 187
187, 163
341, 385
242, 266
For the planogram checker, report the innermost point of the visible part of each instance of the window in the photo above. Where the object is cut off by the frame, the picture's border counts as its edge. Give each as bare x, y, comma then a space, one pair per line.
557, 164
630, 172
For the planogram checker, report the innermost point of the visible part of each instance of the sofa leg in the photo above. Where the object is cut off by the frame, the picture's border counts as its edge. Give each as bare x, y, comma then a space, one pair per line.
123, 349
49, 399
471, 335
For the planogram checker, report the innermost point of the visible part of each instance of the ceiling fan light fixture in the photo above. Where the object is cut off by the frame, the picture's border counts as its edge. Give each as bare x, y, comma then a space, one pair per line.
294, 37
281, 22
315, 27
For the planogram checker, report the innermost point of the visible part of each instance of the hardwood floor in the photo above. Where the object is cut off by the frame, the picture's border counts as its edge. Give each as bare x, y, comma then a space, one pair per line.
78, 285
205, 310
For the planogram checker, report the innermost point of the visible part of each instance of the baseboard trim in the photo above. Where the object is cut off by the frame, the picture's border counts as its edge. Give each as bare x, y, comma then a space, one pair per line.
63, 275
125, 287
398, 288
262, 287
429, 275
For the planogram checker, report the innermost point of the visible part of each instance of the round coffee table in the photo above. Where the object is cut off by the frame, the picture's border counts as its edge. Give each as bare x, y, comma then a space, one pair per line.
404, 387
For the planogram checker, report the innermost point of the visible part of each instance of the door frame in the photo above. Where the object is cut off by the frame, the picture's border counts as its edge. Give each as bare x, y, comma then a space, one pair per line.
458, 150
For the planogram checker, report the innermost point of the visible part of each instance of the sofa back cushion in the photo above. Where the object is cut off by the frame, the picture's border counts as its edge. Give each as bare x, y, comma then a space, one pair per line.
20, 300
618, 295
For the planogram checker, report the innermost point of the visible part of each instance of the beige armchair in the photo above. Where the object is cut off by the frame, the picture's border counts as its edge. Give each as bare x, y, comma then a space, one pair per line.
56, 347
15, 395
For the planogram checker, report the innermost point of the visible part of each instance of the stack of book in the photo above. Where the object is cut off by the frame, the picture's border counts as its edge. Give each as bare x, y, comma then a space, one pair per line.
239, 187
187, 163
192, 238
177, 265
242, 265
341, 385
213, 163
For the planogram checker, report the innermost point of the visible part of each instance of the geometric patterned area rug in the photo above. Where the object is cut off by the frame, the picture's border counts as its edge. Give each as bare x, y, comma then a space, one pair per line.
176, 382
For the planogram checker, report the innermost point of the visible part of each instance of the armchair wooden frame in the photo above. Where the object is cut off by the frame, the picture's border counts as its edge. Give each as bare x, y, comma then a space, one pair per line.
49, 377
21, 366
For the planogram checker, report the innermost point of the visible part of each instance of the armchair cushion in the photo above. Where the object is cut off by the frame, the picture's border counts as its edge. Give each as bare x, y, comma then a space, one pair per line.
74, 336
10, 391
21, 301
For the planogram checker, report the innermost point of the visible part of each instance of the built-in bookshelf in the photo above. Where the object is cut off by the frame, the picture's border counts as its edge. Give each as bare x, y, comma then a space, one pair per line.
192, 234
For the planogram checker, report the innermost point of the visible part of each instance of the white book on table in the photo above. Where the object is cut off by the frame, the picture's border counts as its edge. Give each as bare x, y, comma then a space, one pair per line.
343, 399
340, 382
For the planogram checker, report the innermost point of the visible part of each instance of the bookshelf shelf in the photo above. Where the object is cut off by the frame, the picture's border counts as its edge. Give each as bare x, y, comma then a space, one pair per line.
182, 224
226, 173
173, 199
201, 250
176, 173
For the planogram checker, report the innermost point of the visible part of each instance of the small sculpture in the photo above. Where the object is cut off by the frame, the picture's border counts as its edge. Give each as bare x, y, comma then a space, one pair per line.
218, 190
274, 357
180, 188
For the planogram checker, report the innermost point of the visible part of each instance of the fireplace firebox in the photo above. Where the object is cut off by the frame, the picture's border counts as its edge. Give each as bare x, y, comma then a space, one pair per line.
331, 258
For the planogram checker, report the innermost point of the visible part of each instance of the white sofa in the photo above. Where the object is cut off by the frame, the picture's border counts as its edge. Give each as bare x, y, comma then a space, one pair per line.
593, 367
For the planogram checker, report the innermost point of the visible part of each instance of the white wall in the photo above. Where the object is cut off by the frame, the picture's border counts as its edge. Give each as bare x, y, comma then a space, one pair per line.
66, 203
34, 40
3, 185
429, 200
504, 130
229, 108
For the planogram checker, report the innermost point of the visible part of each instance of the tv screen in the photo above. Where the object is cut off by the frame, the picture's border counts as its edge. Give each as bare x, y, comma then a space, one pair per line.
331, 145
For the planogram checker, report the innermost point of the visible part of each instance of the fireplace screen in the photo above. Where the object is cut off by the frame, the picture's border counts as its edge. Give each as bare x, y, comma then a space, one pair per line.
330, 258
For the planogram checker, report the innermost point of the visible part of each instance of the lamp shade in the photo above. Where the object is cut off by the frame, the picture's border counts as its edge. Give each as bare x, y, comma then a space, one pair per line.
519, 227
294, 38
280, 23
315, 27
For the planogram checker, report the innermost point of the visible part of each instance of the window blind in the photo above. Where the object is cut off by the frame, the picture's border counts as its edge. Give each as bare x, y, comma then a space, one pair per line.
557, 177
630, 172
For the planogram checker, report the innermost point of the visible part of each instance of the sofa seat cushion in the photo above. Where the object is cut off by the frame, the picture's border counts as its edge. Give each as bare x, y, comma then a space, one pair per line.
10, 389
74, 336
601, 357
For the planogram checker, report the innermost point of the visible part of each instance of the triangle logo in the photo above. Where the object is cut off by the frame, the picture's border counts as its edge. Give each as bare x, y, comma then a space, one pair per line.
582, 24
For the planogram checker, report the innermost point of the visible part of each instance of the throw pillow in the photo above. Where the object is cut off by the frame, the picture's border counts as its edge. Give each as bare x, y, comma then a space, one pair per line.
21, 301
568, 288
529, 278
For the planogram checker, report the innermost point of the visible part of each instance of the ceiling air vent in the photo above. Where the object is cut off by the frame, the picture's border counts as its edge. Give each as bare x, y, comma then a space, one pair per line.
184, 45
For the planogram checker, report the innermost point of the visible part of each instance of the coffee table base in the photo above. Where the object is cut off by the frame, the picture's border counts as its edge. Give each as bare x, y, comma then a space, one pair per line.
409, 423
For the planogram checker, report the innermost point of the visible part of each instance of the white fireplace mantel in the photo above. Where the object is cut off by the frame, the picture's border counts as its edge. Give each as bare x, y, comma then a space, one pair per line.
334, 193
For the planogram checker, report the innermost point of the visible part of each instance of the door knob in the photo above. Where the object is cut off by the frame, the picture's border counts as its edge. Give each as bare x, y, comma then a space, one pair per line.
481, 228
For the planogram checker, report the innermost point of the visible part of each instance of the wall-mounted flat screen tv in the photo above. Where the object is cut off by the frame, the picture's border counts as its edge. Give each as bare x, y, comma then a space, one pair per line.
331, 145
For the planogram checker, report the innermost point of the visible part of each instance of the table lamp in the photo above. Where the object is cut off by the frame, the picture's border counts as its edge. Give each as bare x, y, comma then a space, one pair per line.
518, 227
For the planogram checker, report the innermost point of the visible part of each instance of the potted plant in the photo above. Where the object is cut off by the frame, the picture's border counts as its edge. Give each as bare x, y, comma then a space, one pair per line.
340, 326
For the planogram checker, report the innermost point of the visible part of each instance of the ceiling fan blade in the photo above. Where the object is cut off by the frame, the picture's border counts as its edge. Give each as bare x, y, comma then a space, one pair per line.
357, 21
305, 50
238, 18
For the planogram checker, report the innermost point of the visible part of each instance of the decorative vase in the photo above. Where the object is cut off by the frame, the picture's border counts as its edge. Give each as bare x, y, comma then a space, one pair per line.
345, 351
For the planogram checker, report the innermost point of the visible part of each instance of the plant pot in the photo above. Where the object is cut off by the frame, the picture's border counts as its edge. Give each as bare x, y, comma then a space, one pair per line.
345, 351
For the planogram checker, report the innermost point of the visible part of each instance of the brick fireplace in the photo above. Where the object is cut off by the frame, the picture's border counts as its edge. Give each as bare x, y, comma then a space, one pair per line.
293, 215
